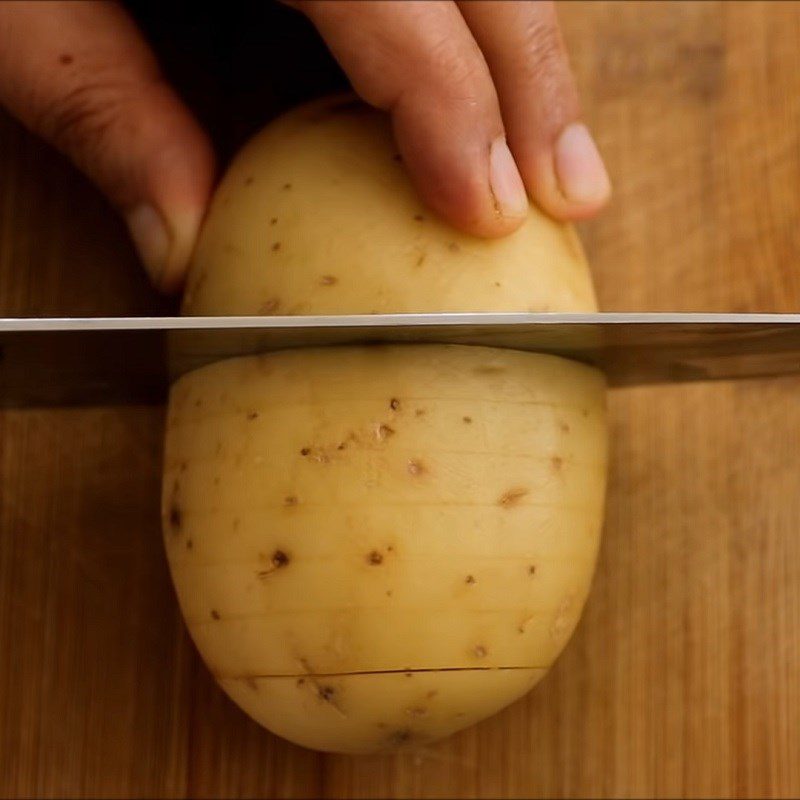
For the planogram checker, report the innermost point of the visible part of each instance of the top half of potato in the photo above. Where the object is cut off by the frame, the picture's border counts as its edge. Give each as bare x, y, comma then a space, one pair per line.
317, 215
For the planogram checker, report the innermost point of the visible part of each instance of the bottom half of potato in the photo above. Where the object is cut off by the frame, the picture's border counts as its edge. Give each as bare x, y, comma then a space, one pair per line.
375, 547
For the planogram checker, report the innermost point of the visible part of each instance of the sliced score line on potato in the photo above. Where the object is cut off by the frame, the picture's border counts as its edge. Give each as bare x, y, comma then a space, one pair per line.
405, 671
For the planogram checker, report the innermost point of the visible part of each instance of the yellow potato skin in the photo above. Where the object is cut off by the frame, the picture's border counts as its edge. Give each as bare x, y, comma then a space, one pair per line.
317, 216
378, 712
336, 518
375, 547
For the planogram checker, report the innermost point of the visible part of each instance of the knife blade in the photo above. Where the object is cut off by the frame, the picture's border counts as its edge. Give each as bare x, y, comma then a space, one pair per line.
114, 360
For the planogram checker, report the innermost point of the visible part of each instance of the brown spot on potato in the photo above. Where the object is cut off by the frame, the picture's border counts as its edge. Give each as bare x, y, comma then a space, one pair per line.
488, 369
66, 59
409, 674
469, 579
301, 681
415, 467
236, 523
374, 558
277, 561
532, 570
468, 420
216, 480
290, 500
394, 404
328, 280
556, 462
273, 221
287, 186
497, 284
251, 415
269, 306
418, 218
585, 412
175, 517
388, 592
276, 246
431, 694
248, 181
390, 549
384, 431
315, 454
479, 651
341, 445
189, 544
251, 683
420, 412
563, 426
420, 259
326, 693
183, 467
512, 497
214, 613
400, 737
454, 247
198, 403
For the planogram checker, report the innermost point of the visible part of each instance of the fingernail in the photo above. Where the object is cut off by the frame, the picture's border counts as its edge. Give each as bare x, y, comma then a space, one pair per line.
579, 168
151, 238
505, 181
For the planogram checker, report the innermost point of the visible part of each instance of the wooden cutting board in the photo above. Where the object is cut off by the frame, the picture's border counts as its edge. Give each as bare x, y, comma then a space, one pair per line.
683, 678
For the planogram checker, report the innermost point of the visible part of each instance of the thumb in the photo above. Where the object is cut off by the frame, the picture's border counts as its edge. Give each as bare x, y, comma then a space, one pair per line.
80, 75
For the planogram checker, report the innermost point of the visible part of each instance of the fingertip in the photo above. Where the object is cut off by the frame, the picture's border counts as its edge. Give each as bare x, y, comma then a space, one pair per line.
553, 203
488, 201
568, 179
505, 183
179, 177
579, 168
471, 182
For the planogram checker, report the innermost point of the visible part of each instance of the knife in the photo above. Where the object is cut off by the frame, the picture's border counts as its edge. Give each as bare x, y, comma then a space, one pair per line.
113, 360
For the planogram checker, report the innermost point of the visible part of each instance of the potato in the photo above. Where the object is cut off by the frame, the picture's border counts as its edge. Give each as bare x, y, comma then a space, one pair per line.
374, 547
316, 216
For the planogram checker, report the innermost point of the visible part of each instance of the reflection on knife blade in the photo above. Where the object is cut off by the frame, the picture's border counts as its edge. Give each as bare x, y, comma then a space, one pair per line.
123, 360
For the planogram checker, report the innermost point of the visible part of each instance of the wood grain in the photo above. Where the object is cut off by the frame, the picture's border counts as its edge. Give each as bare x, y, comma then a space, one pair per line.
684, 676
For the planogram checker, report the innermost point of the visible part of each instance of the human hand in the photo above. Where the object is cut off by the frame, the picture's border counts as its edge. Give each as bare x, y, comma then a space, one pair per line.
460, 79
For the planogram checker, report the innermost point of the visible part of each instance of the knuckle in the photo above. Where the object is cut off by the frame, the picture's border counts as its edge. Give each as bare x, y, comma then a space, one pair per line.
543, 49
90, 114
457, 72
83, 113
